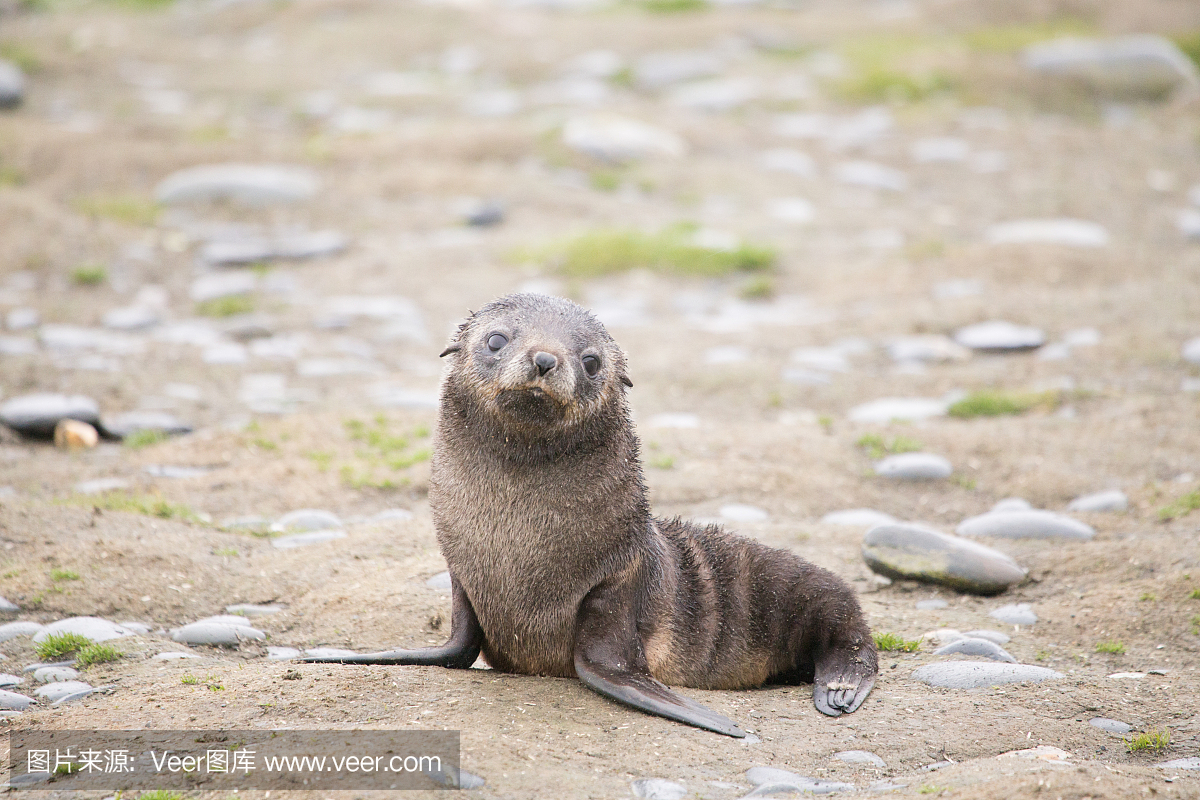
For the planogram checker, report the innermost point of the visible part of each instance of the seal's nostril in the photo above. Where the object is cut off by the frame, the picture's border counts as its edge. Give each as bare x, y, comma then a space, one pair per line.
545, 362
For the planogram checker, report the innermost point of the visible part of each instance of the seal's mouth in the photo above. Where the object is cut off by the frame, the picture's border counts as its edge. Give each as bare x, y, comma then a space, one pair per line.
532, 404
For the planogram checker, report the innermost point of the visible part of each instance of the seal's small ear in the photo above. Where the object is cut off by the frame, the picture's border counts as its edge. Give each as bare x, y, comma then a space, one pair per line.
625, 380
454, 348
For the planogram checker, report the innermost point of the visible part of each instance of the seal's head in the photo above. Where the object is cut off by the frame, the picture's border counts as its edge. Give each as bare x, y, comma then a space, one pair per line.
536, 364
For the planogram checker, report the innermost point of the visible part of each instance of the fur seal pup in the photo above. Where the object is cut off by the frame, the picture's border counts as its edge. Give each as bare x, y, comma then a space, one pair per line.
557, 566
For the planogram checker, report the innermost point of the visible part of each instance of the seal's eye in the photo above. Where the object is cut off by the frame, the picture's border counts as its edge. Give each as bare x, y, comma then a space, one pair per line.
496, 341
591, 364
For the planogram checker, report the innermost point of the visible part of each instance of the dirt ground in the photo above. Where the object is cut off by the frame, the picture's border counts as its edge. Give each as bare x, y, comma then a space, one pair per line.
122, 94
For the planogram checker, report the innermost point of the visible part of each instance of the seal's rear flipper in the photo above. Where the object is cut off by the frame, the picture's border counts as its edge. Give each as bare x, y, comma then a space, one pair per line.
609, 659
842, 683
466, 640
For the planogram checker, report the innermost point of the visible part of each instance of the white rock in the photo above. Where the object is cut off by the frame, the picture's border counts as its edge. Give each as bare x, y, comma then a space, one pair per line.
216, 633
787, 160
1191, 350
226, 353
130, 318
1033, 524
53, 692
1141, 64
722, 94
1181, 763
659, 70
12, 84
1114, 500
20, 319
858, 518
247, 183
829, 359
860, 757
929, 347
794, 210
914, 467
1015, 614
1067, 232
222, 284
11, 630
999, 335
620, 139
899, 408
94, 628
870, 174
940, 149
282, 653
1012, 504
54, 674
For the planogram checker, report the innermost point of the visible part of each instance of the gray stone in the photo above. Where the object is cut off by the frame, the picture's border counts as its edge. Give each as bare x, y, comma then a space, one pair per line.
914, 467
293, 540
1191, 350
1031, 524
1011, 504
11, 630
12, 84
931, 605
620, 139
970, 646
121, 425
999, 336
1015, 614
37, 414
1114, 500
440, 582
740, 512
861, 757
216, 633
870, 174
7, 680
54, 674
94, 628
1111, 725
13, 701
978, 674
1064, 232
53, 692
252, 610
282, 653
226, 619
28, 779
915, 553
858, 518
908, 409
991, 636
770, 780
306, 519
1140, 66
1182, 763
255, 249
32, 668
7, 606
246, 183
77, 695
658, 789
483, 213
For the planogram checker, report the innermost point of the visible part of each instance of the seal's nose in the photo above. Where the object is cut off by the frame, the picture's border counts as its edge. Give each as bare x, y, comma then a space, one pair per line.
545, 362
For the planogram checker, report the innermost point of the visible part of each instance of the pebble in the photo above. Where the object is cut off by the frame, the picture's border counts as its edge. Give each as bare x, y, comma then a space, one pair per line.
129, 318
38, 414
293, 540
53, 692
1067, 232
999, 336
658, 789
970, 646
977, 674
620, 139
940, 150
717, 95
282, 653
440, 582
1191, 350
482, 213
174, 471
13, 701
71, 434
20, 319
172, 655
858, 518
101, 485
659, 70
1011, 504
927, 348
793, 162
216, 633
1015, 614
8, 606
306, 519
794, 210
914, 467
10, 680
739, 512
871, 174
913, 552
247, 183
220, 284
1141, 65
94, 628
12, 84
11, 630
771, 780
931, 605
121, 425
54, 674
909, 409
1114, 500
252, 610
1182, 763
861, 757
1031, 524
1111, 725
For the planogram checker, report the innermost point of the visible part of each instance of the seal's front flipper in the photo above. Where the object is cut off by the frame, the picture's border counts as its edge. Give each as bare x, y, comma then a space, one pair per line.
843, 680
466, 640
609, 659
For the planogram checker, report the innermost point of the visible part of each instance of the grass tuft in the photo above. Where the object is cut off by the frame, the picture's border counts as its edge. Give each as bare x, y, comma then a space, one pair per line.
996, 403
759, 287
1012, 38
57, 575
671, 6
610, 251
1189, 43
226, 306
892, 643
58, 646
1181, 507
160, 794
140, 504
1113, 646
877, 447
139, 439
1194, 595
89, 275
1155, 740
98, 653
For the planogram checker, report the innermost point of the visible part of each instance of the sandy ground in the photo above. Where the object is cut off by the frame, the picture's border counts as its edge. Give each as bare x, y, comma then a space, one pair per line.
121, 96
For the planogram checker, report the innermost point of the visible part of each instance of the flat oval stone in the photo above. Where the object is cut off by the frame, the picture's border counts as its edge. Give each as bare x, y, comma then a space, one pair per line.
908, 409
1032, 524
94, 628
216, 633
977, 674
970, 646
1060, 231
54, 674
7, 606
38, 414
10, 680
14, 702
1114, 500
53, 692
619, 139
1111, 725
914, 467
294, 540
915, 553
658, 789
858, 518
306, 519
282, 653
999, 336
247, 183
227, 619
11, 630
1015, 614
861, 757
